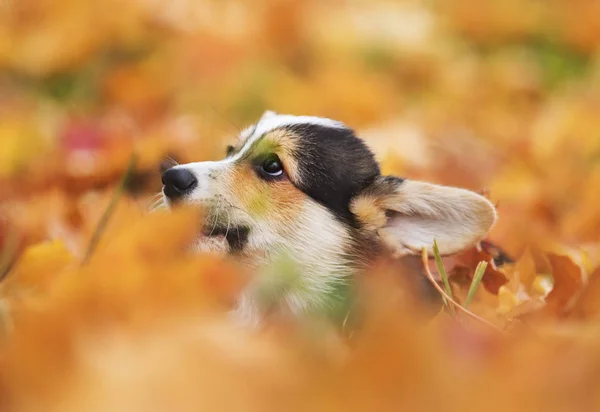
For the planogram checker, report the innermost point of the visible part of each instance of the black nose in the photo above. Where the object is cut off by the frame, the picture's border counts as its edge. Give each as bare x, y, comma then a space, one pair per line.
178, 182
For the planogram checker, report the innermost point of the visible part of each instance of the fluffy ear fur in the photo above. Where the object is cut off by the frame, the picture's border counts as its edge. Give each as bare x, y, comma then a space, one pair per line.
409, 215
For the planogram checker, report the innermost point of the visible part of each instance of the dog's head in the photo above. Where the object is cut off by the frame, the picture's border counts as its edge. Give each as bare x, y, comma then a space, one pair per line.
309, 187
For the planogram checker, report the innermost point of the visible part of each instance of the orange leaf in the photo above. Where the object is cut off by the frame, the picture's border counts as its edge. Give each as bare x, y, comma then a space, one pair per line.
588, 304
525, 271
567, 282
39, 265
493, 279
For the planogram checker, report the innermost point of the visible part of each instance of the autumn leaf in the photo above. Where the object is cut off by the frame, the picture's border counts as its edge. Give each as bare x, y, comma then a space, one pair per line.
587, 304
38, 266
568, 282
467, 261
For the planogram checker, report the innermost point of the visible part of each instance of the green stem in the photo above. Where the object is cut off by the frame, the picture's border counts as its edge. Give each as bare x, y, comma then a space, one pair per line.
110, 210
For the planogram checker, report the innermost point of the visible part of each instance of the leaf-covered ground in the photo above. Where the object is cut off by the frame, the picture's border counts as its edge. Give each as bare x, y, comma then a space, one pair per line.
501, 96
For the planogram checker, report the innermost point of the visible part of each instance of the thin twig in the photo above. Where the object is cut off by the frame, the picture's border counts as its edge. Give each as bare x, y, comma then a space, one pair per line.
110, 209
6, 324
8, 253
425, 259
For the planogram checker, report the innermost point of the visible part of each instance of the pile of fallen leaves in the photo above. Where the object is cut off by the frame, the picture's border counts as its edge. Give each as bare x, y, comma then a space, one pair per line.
101, 308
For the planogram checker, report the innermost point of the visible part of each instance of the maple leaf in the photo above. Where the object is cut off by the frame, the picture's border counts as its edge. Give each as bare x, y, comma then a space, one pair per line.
568, 281
587, 305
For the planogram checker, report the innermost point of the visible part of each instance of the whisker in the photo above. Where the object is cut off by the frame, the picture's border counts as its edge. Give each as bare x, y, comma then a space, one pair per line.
172, 161
153, 205
167, 163
235, 127
228, 223
155, 197
216, 218
159, 206
156, 202
231, 205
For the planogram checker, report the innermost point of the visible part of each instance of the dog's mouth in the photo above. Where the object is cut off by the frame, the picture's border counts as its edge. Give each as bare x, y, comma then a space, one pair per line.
236, 236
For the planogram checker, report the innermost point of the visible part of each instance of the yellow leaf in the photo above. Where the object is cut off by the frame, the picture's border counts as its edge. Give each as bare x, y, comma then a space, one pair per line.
18, 145
39, 265
507, 300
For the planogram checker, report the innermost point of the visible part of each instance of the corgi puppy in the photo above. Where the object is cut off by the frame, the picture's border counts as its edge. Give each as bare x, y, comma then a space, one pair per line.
305, 195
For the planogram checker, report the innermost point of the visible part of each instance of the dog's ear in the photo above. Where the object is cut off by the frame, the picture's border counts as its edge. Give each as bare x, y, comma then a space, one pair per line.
408, 215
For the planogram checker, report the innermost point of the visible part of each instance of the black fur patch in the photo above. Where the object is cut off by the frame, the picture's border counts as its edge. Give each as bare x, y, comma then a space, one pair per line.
236, 236
334, 166
384, 186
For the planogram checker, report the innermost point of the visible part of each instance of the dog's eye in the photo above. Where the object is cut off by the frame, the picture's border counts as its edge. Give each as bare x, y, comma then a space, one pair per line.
272, 166
230, 150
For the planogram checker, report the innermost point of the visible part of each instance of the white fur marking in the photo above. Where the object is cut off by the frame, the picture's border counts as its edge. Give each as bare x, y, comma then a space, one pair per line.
322, 265
271, 121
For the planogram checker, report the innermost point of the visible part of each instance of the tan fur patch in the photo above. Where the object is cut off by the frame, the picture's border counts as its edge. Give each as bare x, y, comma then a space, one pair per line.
278, 200
286, 144
283, 143
369, 212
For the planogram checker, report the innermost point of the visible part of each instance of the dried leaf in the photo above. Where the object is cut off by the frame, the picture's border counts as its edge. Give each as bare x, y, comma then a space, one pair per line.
38, 266
492, 279
525, 270
587, 305
568, 282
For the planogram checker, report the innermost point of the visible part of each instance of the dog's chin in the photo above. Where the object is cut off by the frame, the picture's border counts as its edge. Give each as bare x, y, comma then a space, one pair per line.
211, 244
222, 239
